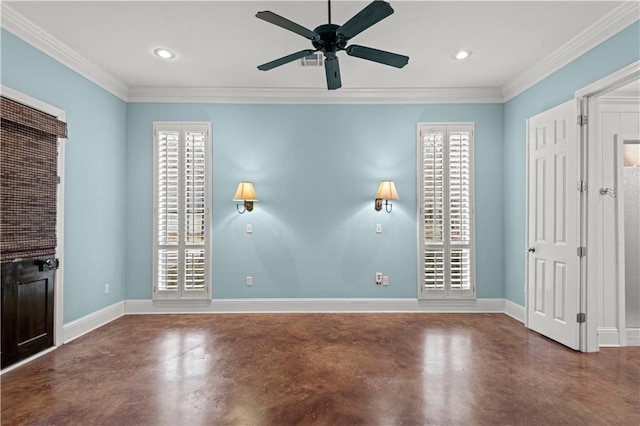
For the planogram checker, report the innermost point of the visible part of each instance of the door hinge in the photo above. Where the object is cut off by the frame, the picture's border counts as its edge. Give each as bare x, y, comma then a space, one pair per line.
581, 317
58, 180
582, 251
582, 186
582, 120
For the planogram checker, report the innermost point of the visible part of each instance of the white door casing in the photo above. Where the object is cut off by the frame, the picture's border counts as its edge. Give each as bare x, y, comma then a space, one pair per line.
553, 225
588, 96
58, 296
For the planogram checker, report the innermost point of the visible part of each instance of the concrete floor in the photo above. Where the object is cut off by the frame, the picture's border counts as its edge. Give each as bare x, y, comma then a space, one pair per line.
323, 369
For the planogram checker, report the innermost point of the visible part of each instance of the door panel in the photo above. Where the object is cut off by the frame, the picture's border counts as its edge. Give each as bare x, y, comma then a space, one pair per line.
27, 308
553, 225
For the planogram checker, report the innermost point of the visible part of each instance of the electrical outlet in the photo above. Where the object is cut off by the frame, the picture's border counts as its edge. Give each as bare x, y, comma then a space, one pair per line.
378, 228
385, 280
106, 288
249, 228
378, 278
249, 281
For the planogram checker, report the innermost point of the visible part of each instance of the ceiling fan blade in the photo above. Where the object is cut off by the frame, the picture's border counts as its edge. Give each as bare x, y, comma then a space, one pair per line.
287, 24
375, 12
285, 60
380, 56
332, 69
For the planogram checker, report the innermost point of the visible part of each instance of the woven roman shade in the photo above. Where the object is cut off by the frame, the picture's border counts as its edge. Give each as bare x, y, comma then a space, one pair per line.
28, 179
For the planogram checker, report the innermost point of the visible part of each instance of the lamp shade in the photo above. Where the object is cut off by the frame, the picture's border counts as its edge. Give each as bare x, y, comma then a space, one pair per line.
245, 192
387, 190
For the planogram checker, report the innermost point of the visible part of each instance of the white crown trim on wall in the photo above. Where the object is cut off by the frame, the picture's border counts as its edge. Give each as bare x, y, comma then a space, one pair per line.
26, 30
609, 25
316, 95
606, 27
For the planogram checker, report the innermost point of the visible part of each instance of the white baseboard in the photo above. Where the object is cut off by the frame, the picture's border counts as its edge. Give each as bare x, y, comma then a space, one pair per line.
147, 306
77, 328
514, 310
28, 360
608, 337
633, 336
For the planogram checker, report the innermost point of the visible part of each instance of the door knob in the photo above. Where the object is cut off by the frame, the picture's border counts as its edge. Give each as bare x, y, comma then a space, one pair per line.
47, 264
531, 250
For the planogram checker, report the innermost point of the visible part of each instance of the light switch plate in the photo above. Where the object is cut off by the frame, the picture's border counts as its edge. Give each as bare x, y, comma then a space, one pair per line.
249, 281
385, 280
249, 228
378, 228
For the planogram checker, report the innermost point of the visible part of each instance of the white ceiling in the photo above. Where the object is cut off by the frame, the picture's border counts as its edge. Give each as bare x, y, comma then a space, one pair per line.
220, 43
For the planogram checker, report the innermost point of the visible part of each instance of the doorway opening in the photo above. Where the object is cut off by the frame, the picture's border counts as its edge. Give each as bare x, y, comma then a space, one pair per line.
55, 274
576, 236
612, 106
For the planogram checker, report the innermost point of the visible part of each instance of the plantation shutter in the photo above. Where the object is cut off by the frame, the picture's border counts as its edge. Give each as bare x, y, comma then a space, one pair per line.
460, 209
181, 211
447, 210
168, 212
434, 207
28, 171
194, 209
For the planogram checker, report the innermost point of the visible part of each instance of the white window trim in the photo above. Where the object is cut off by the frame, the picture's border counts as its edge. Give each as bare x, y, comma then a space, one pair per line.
181, 295
447, 293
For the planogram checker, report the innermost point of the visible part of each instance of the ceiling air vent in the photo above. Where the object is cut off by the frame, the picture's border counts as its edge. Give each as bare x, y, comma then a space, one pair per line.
314, 60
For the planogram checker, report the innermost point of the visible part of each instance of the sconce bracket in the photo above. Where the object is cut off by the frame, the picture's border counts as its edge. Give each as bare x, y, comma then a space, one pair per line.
378, 204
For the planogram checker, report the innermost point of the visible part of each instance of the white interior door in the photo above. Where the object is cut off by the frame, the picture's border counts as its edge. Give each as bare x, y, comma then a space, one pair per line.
553, 226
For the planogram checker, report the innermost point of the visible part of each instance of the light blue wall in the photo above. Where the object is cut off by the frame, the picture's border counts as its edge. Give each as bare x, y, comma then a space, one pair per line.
615, 53
95, 171
316, 169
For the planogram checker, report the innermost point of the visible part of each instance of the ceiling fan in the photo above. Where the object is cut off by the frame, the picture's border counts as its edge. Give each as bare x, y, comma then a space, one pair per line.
331, 38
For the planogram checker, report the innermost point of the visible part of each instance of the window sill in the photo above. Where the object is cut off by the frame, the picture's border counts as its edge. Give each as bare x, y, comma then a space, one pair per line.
461, 301
178, 303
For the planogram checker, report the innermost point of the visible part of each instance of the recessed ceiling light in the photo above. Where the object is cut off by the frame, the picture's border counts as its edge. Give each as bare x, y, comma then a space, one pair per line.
462, 54
164, 53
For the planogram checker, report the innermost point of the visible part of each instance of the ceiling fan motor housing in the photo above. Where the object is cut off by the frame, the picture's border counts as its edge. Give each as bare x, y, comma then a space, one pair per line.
329, 39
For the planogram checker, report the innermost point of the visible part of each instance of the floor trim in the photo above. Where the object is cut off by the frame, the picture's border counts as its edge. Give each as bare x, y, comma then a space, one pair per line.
633, 336
608, 337
28, 360
147, 306
87, 323
514, 310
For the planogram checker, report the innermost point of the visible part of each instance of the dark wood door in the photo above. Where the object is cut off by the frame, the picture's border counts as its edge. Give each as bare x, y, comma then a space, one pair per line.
27, 308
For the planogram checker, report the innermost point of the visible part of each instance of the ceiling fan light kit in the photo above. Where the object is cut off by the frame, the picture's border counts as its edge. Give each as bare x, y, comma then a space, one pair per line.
331, 38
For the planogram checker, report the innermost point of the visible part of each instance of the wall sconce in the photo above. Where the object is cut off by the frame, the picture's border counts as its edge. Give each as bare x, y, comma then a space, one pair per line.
247, 195
386, 191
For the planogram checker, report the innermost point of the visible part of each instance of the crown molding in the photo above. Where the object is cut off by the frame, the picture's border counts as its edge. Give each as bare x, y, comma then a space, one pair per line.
29, 32
609, 25
314, 95
606, 27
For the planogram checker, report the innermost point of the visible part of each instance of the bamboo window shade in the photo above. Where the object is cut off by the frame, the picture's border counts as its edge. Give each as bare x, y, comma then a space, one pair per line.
28, 180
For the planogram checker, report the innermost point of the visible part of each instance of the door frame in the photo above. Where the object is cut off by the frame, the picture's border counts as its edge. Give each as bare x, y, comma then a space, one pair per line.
592, 229
58, 298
